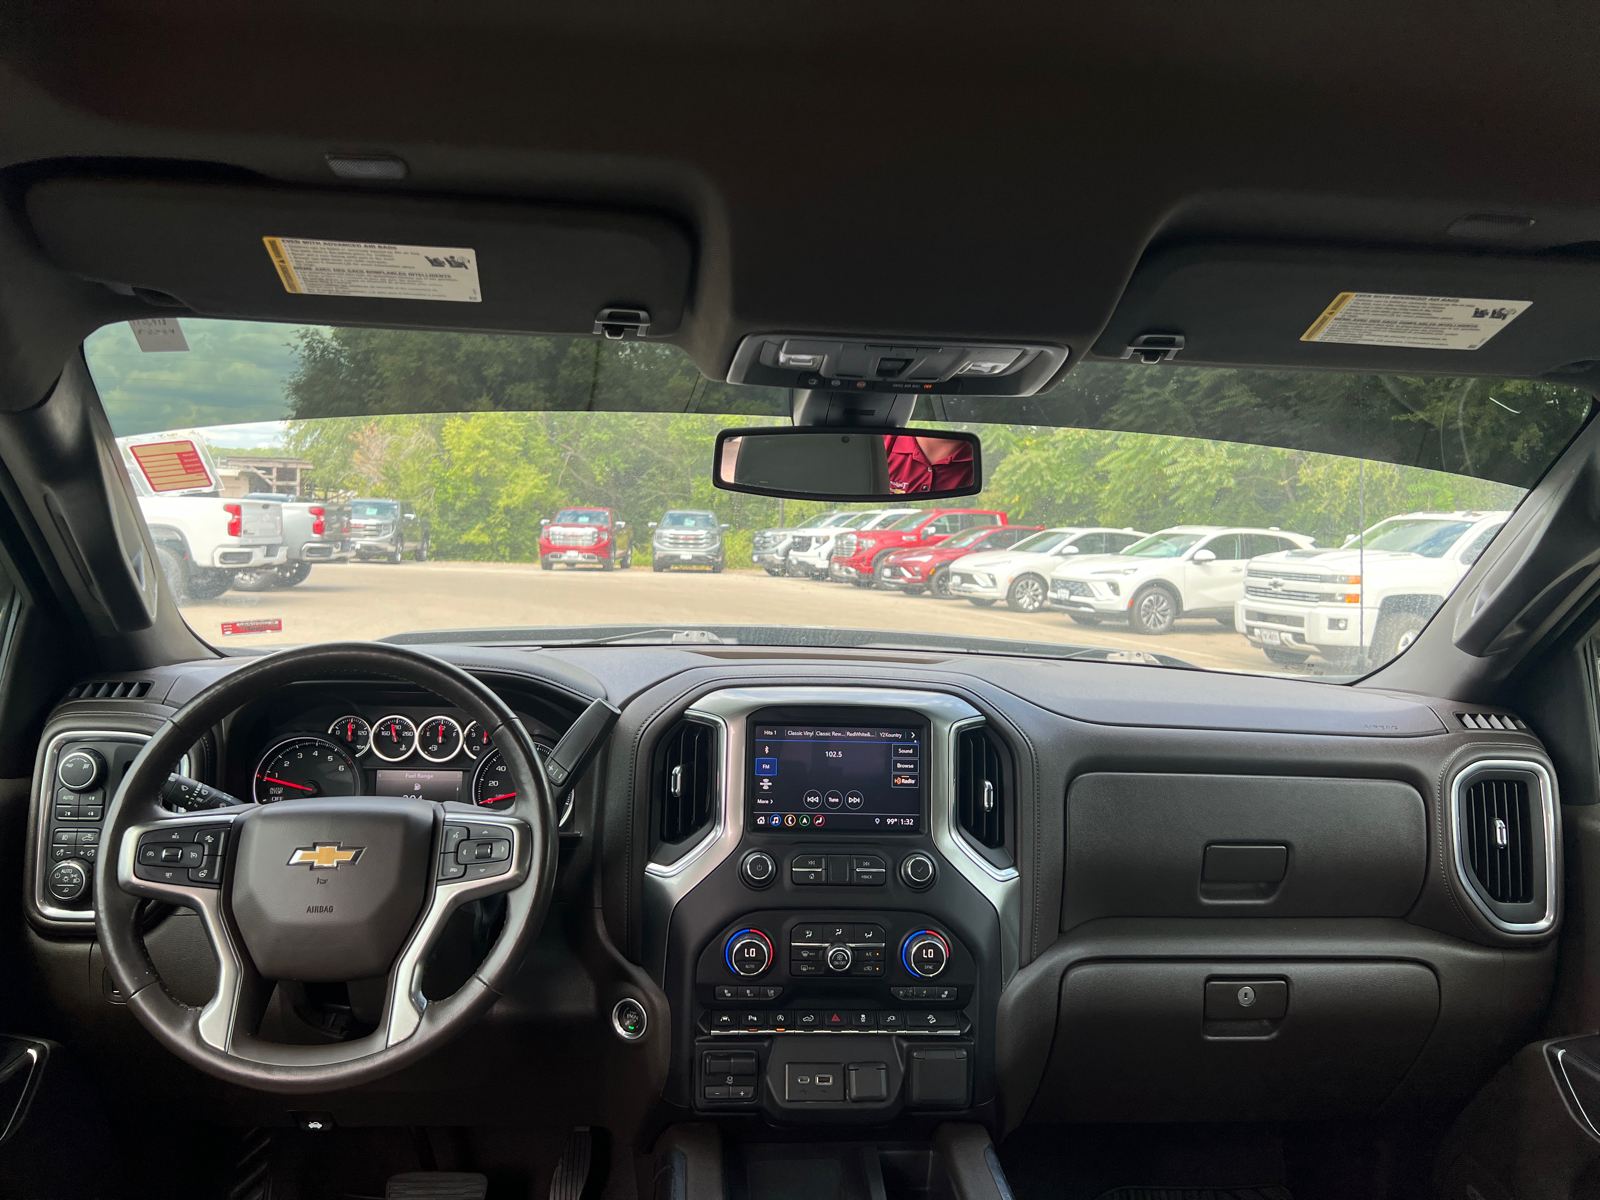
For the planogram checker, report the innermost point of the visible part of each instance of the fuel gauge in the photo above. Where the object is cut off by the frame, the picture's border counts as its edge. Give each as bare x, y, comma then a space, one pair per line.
438, 739
351, 732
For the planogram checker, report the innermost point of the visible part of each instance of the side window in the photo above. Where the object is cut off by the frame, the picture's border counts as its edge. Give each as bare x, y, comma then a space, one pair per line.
1116, 543
949, 523
1091, 543
1479, 544
1263, 543
1225, 546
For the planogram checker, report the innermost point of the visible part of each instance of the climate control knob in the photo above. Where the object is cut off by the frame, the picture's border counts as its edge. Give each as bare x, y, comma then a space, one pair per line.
80, 770
749, 952
839, 959
925, 953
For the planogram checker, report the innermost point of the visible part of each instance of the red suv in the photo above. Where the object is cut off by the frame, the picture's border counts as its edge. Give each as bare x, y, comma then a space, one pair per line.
918, 569
581, 536
856, 554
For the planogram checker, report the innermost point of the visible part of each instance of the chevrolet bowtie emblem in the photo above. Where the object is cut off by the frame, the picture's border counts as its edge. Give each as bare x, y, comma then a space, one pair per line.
324, 856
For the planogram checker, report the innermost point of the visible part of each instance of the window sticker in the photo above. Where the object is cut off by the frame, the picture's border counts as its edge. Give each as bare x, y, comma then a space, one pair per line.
156, 334
315, 268
1418, 322
172, 466
257, 625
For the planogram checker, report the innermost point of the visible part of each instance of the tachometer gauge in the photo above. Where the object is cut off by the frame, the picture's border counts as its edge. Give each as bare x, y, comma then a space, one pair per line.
303, 767
492, 786
351, 732
476, 740
393, 738
438, 739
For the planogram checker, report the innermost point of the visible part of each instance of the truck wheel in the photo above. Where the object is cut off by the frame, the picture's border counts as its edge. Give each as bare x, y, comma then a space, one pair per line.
657, 566
610, 563
259, 579
296, 575
1154, 610
980, 603
1085, 618
207, 583
717, 567
776, 573
1284, 658
914, 590
177, 576
1226, 622
627, 560
422, 551
1394, 632
939, 585
1027, 594
396, 555
545, 564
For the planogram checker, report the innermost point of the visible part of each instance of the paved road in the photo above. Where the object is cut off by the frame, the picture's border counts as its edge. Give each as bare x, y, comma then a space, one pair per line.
375, 600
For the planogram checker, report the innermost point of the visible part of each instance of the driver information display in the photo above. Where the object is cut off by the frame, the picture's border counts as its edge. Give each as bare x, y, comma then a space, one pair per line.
850, 778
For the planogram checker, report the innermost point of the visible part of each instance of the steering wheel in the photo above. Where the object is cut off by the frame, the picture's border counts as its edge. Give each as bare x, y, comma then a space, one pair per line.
322, 889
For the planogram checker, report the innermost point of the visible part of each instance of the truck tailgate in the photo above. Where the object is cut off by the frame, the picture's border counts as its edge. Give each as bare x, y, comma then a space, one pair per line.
260, 519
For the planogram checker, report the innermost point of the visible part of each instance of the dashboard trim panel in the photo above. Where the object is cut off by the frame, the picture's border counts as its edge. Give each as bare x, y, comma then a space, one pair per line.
44, 783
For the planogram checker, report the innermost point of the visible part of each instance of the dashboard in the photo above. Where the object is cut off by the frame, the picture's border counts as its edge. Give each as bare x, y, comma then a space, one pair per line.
901, 888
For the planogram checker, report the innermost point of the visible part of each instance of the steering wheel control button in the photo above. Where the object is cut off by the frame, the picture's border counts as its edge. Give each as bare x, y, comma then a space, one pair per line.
839, 959
450, 869
757, 869
485, 870
749, 952
629, 1019
188, 854
925, 953
81, 769
918, 871
454, 835
483, 850
68, 881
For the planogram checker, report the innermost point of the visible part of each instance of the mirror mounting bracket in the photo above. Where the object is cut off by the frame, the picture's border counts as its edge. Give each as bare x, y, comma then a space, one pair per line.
850, 410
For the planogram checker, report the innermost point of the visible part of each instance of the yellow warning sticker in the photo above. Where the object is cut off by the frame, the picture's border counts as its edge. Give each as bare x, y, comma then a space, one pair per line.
381, 269
1418, 322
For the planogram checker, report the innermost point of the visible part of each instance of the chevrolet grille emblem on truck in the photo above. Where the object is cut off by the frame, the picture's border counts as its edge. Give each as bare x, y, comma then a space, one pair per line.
324, 856
1275, 584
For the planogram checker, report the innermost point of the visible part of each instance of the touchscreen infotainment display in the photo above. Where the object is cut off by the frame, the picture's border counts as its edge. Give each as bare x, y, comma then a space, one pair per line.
827, 778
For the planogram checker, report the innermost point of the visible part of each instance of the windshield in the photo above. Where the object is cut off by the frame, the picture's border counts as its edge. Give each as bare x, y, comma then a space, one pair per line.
688, 520
971, 537
488, 488
1042, 543
1431, 539
1163, 545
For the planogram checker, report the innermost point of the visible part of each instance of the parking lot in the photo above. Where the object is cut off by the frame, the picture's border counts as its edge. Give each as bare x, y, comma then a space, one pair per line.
374, 600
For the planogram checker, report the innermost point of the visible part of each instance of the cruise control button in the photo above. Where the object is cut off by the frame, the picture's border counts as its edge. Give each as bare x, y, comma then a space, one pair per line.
208, 873
193, 855
149, 855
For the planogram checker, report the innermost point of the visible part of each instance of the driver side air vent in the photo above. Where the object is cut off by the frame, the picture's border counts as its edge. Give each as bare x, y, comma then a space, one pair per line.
685, 781
1499, 838
109, 689
981, 788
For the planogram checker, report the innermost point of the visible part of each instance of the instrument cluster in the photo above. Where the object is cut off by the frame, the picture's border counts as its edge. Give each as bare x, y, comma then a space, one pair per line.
434, 757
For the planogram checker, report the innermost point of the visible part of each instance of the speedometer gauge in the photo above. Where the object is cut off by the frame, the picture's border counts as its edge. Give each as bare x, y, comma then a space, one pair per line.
393, 738
492, 786
351, 732
305, 767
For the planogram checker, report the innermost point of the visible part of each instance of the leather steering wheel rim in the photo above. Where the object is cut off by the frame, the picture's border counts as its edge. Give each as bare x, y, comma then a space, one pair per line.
403, 1036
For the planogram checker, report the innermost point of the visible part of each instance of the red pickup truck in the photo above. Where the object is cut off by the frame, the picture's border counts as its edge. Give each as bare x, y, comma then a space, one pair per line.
856, 553
585, 536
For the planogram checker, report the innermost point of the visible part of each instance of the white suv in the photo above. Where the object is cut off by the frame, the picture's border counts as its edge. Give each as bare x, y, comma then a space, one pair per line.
1370, 597
1185, 571
1019, 575
811, 552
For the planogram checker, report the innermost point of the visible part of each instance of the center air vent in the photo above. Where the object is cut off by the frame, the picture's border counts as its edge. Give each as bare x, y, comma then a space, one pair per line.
980, 788
686, 781
1506, 837
109, 689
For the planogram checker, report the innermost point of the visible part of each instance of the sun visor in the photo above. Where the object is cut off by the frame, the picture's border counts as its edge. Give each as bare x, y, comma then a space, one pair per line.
1371, 311
310, 256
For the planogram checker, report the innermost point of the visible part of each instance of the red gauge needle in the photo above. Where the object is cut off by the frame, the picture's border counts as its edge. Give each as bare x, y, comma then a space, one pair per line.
302, 787
501, 796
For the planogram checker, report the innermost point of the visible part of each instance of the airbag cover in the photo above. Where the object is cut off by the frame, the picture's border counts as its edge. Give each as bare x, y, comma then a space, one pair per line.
327, 890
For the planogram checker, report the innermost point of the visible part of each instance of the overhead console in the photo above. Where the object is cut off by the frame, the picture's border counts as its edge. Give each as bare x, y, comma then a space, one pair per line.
895, 364
834, 942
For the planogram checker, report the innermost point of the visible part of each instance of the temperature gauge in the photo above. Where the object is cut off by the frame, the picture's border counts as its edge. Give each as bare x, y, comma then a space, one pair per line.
438, 739
351, 732
393, 738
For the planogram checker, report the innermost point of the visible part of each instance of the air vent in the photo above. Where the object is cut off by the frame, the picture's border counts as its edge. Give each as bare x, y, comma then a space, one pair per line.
980, 788
1484, 720
1497, 835
686, 785
110, 689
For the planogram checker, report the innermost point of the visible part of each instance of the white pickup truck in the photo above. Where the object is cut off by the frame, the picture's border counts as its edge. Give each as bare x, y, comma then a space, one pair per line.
312, 533
201, 538
1360, 605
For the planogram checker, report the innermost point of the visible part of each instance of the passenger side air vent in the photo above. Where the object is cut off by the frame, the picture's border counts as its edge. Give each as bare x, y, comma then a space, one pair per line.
109, 689
981, 788
686, 781
1491, 721
1505, 825
1497, 824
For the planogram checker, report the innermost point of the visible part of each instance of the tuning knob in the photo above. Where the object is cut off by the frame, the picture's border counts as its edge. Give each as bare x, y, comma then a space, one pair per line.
917, 870
925, 953
81, 769
749, 952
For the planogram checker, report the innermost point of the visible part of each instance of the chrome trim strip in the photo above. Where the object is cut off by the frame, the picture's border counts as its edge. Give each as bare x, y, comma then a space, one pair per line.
1550, 804
666, 884
44, 786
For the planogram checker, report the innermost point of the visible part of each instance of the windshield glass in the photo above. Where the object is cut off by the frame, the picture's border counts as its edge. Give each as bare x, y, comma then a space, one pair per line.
1431, 539
1163, 545
1041, 543
464, 482
969, 538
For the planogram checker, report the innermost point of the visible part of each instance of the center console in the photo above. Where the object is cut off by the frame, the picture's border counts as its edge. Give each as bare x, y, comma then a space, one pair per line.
833, 947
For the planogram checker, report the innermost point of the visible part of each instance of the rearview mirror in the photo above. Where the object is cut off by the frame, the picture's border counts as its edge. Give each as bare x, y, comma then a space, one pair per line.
812, 463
